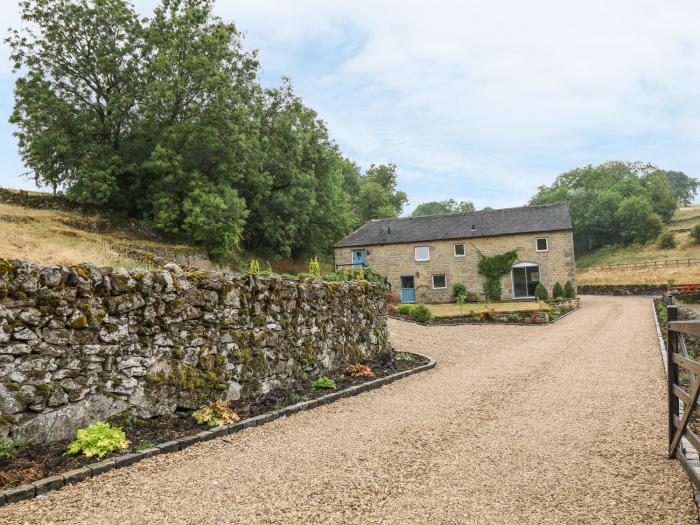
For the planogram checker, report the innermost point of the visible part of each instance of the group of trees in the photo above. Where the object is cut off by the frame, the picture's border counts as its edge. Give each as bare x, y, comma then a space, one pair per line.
164, 119
618, 202
443, 208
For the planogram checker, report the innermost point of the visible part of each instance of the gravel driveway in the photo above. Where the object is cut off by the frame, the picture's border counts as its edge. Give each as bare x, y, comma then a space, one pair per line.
557, 424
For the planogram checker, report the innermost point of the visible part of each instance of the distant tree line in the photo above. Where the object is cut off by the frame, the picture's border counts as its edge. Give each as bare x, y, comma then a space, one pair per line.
442, 208
618, 202
164, 119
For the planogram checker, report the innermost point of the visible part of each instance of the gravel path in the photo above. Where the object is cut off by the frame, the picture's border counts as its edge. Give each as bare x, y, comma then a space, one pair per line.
557, 424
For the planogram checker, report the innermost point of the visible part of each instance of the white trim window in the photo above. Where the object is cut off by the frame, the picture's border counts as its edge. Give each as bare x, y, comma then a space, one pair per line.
542, 244
422, 253
439, 281
458, 250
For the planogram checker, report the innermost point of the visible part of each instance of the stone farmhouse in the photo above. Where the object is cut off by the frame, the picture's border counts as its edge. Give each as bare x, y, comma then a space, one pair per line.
422, 257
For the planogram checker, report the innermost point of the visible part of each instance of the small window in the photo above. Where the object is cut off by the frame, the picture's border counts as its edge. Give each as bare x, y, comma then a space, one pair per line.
459, 250
542, 244
439, 281
422, 253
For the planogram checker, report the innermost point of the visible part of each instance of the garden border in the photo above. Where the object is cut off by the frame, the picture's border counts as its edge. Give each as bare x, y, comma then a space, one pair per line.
58, 481
451, 321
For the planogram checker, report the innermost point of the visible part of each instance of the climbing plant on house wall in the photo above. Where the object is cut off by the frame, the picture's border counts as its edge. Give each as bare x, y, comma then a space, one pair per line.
493, 268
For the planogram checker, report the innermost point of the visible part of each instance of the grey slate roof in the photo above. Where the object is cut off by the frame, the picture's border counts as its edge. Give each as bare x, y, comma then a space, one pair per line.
527, 219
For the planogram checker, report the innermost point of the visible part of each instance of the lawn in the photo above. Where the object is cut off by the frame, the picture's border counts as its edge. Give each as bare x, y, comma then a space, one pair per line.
452, 310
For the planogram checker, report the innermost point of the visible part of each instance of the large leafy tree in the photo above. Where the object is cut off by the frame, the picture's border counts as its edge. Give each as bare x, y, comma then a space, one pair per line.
613, 203
683, 187
377, 195
164, 119
142, 116
442, 208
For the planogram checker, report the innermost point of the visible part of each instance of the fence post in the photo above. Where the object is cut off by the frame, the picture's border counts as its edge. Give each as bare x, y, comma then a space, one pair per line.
671, 315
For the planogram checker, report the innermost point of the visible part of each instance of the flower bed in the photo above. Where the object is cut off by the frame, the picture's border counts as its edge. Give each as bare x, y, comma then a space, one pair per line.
32, 463
544, 314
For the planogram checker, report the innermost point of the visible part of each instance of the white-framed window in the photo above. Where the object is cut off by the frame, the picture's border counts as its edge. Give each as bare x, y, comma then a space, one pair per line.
422, 253
439, 281
542, 244
459, 250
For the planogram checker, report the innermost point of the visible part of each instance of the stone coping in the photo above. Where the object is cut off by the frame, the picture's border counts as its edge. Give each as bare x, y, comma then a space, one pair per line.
92, 470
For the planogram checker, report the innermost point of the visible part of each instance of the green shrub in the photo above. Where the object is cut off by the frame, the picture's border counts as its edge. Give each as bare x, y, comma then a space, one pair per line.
373, 276
459, 290
7, 448
662, 314
405, 309
145, 445
306, 275
97, 440
254, 267
695, 233
557, 291
323, 383
314, 267
493, 268
666, 240
569, 291
492, 291
421, 314
541, 292
360, 275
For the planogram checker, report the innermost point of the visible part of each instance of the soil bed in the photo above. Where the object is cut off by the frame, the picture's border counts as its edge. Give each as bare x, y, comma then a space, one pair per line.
32, 463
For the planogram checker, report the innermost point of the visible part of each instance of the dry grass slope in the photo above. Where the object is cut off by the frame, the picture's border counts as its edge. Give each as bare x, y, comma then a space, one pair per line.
684, 219
63, 237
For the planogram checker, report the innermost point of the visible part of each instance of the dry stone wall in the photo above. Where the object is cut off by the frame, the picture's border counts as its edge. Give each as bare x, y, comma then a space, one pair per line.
78, 344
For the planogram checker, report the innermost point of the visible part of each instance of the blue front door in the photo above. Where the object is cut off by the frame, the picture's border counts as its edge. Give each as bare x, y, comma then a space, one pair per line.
358, 259
408, 289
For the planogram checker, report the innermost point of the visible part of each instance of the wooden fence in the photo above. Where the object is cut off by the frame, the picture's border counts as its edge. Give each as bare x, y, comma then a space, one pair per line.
683, 390
670, 263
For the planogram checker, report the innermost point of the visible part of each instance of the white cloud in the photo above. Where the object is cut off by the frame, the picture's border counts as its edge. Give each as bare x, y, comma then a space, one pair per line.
495, 96
487, 100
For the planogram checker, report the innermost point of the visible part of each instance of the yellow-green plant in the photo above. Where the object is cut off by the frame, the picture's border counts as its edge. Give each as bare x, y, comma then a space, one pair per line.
97, 440
254, 267
7, 448
314, 267
323, 383
360, 276
215, 414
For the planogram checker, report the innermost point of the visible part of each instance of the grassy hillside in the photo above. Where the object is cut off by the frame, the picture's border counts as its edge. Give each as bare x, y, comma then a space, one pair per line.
47, 233
67, 237
684, 219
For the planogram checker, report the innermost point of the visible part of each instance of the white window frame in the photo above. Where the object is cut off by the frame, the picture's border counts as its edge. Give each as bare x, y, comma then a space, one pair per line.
415, 253
433, 281
454, 249
546, 240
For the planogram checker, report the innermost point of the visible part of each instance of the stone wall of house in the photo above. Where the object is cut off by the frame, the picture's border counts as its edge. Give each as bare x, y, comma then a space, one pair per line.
394, 260
78, 344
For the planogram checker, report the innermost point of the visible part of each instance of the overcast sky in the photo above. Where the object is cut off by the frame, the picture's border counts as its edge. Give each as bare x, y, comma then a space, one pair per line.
474, 100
